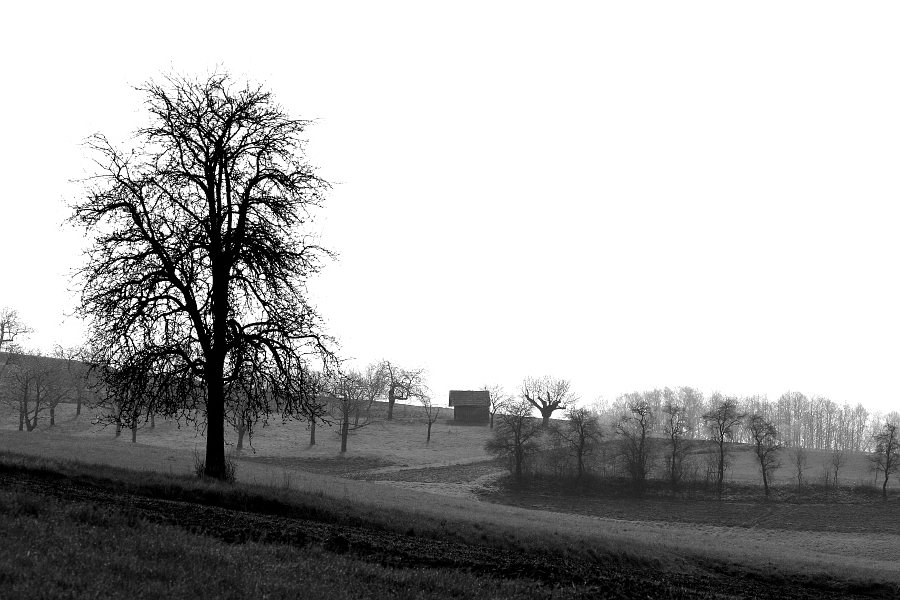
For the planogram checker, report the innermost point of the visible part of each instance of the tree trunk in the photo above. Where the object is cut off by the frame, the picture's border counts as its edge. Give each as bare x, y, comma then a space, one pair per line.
391, 400
765, 481
518, 463
152, 421
492, 420
721, 474
345, 432
241, 430
78, 403
134, 433
884, 485
545, 419
428, 437
215, 420
52, 416
118, 427
312, 432
23, 410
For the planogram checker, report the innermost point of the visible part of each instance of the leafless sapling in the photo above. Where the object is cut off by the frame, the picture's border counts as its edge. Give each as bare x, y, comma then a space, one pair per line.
195, 278
432, 412
800, 461
498, 397
764, 437
838, 461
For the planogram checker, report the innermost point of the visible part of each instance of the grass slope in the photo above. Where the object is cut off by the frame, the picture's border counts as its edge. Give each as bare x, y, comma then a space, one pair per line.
80, 531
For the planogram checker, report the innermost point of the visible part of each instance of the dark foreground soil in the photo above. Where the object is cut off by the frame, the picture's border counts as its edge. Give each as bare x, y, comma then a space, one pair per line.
582, 573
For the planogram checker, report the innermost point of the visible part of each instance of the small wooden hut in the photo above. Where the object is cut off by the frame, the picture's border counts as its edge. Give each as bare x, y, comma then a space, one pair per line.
471, 407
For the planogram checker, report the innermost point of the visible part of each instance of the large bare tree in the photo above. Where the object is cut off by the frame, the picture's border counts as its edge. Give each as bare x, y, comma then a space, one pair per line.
195, 281
547, 394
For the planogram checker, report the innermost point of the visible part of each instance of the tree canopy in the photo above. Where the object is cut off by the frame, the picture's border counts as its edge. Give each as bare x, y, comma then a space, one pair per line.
194, 285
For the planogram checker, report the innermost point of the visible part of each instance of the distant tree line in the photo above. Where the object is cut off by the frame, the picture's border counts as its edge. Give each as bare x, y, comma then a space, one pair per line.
654, 432
816, 422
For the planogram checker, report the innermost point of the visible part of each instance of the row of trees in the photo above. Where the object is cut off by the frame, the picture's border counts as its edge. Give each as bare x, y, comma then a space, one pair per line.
810, 422
35, 384
659, 428
346, 397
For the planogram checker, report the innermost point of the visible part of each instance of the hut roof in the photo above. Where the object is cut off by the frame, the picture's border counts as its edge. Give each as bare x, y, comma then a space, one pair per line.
470, 398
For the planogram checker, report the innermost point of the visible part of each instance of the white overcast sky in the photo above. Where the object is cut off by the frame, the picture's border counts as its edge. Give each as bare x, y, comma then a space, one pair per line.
628, 194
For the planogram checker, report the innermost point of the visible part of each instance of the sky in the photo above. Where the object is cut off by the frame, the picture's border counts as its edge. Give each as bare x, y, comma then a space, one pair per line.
627, 195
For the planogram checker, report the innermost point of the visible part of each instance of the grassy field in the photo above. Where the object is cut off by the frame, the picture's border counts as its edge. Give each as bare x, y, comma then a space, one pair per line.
119, 533
388, 467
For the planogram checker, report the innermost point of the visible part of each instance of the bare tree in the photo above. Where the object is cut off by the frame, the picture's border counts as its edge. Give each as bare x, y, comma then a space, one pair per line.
402, 384
432, 413
800, 461
348, 392
581, 433
722, 419
764, 438
886, 456
196, 276
838, 460
11, 328
498, 399
77, 372
675, 427
33, 385
634, 427
547, 394
318, 408
516, 435
375, 380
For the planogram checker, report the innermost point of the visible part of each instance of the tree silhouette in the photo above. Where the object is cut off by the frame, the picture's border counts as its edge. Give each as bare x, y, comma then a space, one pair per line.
547, 394
194, 284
